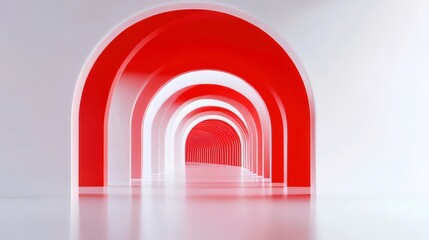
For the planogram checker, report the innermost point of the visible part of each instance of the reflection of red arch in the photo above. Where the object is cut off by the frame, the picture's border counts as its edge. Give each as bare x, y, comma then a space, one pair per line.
178, 41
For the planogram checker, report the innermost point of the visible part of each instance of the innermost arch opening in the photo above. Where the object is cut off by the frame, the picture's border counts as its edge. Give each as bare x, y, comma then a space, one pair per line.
213, 152
214, 142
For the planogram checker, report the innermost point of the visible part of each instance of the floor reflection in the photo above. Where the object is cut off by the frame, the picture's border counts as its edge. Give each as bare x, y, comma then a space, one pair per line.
190, 213
212, 209
218, 207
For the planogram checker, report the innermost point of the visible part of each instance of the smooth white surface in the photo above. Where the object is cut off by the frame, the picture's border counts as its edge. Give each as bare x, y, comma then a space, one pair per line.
216, 202
119, 125
366, 61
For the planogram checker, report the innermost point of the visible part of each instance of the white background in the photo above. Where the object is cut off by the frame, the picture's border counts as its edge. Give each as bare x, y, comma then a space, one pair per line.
367, 61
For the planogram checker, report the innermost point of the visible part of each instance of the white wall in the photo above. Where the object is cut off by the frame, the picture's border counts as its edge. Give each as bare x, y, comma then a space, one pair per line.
367, 61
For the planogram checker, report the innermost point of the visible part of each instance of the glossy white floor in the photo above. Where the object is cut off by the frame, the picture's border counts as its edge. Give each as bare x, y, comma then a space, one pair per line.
215, 202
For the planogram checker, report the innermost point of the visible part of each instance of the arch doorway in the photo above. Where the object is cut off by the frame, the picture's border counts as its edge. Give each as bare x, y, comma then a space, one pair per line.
201, 84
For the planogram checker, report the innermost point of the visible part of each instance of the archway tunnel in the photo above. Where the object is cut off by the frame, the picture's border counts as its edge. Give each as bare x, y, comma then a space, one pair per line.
145, 105
214, 142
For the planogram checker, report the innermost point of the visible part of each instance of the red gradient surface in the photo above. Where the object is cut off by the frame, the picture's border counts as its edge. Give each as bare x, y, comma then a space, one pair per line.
213, 142
163, 46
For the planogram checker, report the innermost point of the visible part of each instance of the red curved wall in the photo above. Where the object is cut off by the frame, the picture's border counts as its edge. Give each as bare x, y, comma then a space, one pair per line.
214, 142
185, 40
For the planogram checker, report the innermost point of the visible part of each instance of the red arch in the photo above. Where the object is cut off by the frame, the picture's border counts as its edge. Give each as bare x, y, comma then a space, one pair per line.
218, 126
218, 111
216, 137
178, 99
184, 40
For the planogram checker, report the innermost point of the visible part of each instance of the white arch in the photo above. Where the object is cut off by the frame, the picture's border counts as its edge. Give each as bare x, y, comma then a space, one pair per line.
184, 132
197, 78
250, 123
181, 115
